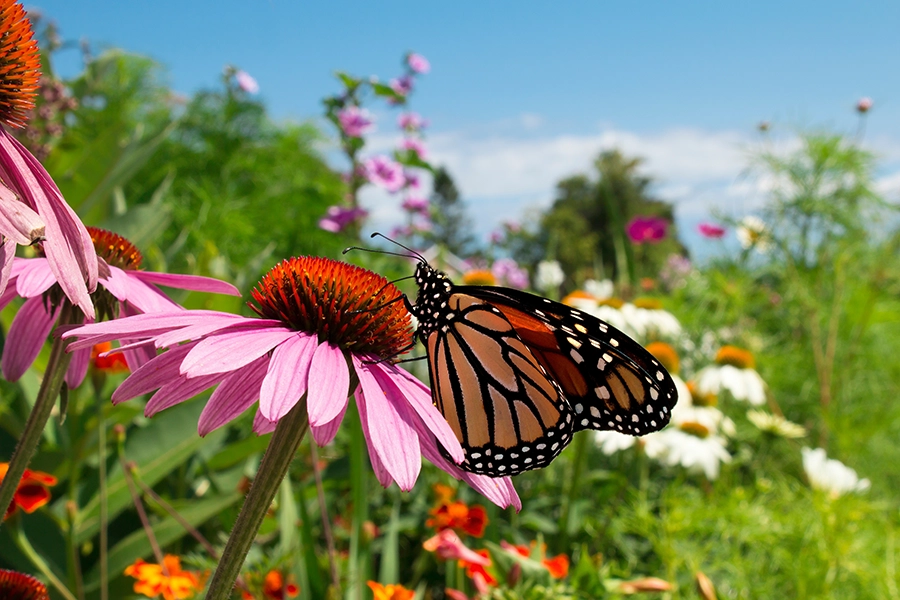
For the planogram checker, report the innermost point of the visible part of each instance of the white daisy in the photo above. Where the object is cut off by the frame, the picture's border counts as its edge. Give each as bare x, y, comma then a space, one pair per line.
733, 372
549, 275
753, 233
695, 452
775, 424
649, 320
830, 475
601, 290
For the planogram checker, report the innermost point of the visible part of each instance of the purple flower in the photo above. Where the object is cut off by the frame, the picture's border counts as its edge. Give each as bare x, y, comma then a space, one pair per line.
355, 122
415, 146
402, 85
412, 180
864, 105
415, 204
418, 63
711, 230
246, 82
508, 271
411, 121
323, 326
338, 217
384, 172
133, 292
647, 229
32, 208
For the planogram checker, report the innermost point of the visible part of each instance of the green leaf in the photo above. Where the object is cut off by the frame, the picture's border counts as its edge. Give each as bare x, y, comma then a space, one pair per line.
390, 548
237, 452
166, 531
158, 449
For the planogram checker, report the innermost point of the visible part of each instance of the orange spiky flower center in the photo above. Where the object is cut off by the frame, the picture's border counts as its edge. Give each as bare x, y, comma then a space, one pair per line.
479, 277
736, 357
666, 355
20, 64
115, 250
19, 586
353, 308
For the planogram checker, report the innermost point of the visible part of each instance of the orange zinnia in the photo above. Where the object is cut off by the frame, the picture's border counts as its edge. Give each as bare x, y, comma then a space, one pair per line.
458, 516
32, 492
172, 582
390, 591
558, 565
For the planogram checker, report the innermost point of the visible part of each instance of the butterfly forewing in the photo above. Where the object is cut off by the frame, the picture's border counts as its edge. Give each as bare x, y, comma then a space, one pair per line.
506, 412
610, 381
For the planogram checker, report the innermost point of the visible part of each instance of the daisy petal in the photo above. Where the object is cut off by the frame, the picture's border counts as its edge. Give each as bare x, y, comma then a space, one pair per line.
329, 384
27, 334
225, 353
285, 383
235, 394
393, 437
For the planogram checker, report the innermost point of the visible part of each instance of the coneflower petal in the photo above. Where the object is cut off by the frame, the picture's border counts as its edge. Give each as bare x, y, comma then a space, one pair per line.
285, 383
222, 353
235, 394
329, 384
27, 334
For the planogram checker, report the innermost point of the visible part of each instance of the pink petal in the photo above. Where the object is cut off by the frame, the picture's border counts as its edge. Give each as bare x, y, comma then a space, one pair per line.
285, 383
262, 425
126, 287
7, 257
180, 390
235, 394
381, 472
418, 396
329, 384
154, 374
18, 223
78, 368
195, 283
393, 437
209, 326
143, 326
323, 434
35, 277
27, 334
230, 351
138, 356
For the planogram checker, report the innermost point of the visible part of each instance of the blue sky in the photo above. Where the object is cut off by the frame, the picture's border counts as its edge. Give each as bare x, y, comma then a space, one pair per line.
523, 93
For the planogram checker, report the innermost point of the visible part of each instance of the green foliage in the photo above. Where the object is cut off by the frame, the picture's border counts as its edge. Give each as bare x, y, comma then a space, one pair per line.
452, 227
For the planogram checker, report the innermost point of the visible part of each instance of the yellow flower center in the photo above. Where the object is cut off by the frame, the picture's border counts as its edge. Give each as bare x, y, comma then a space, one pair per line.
613, 302
665, 354
696, 429
479, 277
736, 357
648, 303
702, 399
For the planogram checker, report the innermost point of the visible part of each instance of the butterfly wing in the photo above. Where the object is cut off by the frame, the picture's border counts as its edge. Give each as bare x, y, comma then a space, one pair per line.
507, 413
610, 381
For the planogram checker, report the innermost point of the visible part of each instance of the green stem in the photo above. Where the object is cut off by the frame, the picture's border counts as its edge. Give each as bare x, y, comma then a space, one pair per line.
36, 559
580, 443
40, 413
274, 466
358, 475
104, 507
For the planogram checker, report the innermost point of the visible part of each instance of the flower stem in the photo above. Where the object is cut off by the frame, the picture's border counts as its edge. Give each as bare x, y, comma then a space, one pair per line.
274, 466
40, 413
36, 559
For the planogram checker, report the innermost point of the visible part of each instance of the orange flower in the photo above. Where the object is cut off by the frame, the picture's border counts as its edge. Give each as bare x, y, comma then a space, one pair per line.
21, 586
390, 591
32, 492
457, 516
114, 363
478, 572
172, 582
273, 587
558, 565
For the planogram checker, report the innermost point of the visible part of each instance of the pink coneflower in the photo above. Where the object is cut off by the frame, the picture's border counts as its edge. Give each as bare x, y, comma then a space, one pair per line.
647, 229
323, 324
123, 289
355, 121
246, 82
384, 172
711, 230
415, 204
411, 121
418, 63
415, 146
31, 206
339, 217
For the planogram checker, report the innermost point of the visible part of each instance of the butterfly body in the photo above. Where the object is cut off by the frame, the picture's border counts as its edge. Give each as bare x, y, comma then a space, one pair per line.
515, 375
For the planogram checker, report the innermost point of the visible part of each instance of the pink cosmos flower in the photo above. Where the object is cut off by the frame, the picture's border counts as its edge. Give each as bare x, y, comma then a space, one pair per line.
415, 204
418, 63
338, 217
322, 325
402, 85
132, 292
646, 229
411, 121
246, 82
864, 105
355, 121
415, 146
711, 230
384, 172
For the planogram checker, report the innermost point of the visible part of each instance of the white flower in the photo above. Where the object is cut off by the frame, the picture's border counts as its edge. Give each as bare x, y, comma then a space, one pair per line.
830, 475
549, 275
601, 290
611, 442
651, 322
743, 384
753, 233
775, 424
613, 316
709, 417
695, 453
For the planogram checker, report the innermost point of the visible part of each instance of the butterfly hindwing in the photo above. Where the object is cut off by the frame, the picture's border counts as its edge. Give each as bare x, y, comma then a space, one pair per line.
507, 413
610, 381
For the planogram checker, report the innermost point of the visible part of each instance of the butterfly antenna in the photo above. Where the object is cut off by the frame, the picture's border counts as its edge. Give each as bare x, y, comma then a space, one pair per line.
376, 251
396, 243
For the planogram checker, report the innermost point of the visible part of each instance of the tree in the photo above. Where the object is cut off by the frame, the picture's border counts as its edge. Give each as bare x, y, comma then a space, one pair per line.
452, 227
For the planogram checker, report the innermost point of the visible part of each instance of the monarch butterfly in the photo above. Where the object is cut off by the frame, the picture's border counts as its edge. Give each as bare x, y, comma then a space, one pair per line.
516, 375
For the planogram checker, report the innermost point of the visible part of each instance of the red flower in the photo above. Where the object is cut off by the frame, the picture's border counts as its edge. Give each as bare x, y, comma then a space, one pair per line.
711, 230
32, 492
457, 516
647, 229
114, 363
